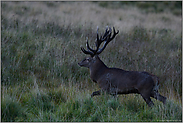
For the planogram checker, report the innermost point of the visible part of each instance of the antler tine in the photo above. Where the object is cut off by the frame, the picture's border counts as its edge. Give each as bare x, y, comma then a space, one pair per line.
108, 39
97, 29
102, 38
97, 43
88, 47
90, 50
107, 32
87, 52
115, 33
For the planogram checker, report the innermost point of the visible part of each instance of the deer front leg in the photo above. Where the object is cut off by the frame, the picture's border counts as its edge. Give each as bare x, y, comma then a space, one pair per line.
96, 93
104, 88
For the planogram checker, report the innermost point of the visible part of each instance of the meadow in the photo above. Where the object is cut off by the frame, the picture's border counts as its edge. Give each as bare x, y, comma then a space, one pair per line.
40, 50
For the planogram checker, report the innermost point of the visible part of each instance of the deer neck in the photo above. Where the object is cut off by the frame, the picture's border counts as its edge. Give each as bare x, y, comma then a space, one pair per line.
97, 69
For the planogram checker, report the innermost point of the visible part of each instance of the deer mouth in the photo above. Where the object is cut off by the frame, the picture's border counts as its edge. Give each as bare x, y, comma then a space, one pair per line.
80, 64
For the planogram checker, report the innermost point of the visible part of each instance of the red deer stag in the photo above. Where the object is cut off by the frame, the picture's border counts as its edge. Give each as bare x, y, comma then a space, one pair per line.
117, 81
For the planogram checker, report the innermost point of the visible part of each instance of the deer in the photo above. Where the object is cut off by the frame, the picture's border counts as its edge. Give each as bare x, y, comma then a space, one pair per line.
116, 81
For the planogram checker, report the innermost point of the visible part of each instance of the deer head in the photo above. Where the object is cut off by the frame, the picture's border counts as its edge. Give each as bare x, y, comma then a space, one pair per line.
106, 38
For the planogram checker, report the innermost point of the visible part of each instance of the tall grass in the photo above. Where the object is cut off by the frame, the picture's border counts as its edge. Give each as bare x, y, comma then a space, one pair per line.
41, 81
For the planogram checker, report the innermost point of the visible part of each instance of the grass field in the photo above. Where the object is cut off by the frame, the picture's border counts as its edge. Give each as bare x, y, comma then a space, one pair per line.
40, 49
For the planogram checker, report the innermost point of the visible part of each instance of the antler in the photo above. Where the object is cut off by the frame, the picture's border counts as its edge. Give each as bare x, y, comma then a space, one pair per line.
106, 38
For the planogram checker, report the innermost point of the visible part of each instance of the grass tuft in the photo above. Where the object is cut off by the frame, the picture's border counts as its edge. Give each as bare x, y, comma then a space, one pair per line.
12, 110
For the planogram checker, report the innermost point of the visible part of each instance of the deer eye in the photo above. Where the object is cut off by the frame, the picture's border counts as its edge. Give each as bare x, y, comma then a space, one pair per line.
87, 59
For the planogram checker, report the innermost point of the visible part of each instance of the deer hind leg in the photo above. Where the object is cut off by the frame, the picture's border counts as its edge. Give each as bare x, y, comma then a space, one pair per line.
145, 93
157, 96
148, 100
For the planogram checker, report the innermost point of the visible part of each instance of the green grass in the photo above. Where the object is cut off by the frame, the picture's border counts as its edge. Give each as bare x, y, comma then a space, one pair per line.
35, 106
41, 81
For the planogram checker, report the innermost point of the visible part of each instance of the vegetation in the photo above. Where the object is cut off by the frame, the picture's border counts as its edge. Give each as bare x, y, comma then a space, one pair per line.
40, 49
148, 7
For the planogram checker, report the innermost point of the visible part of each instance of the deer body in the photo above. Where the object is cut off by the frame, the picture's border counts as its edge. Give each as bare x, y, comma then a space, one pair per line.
118, 81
